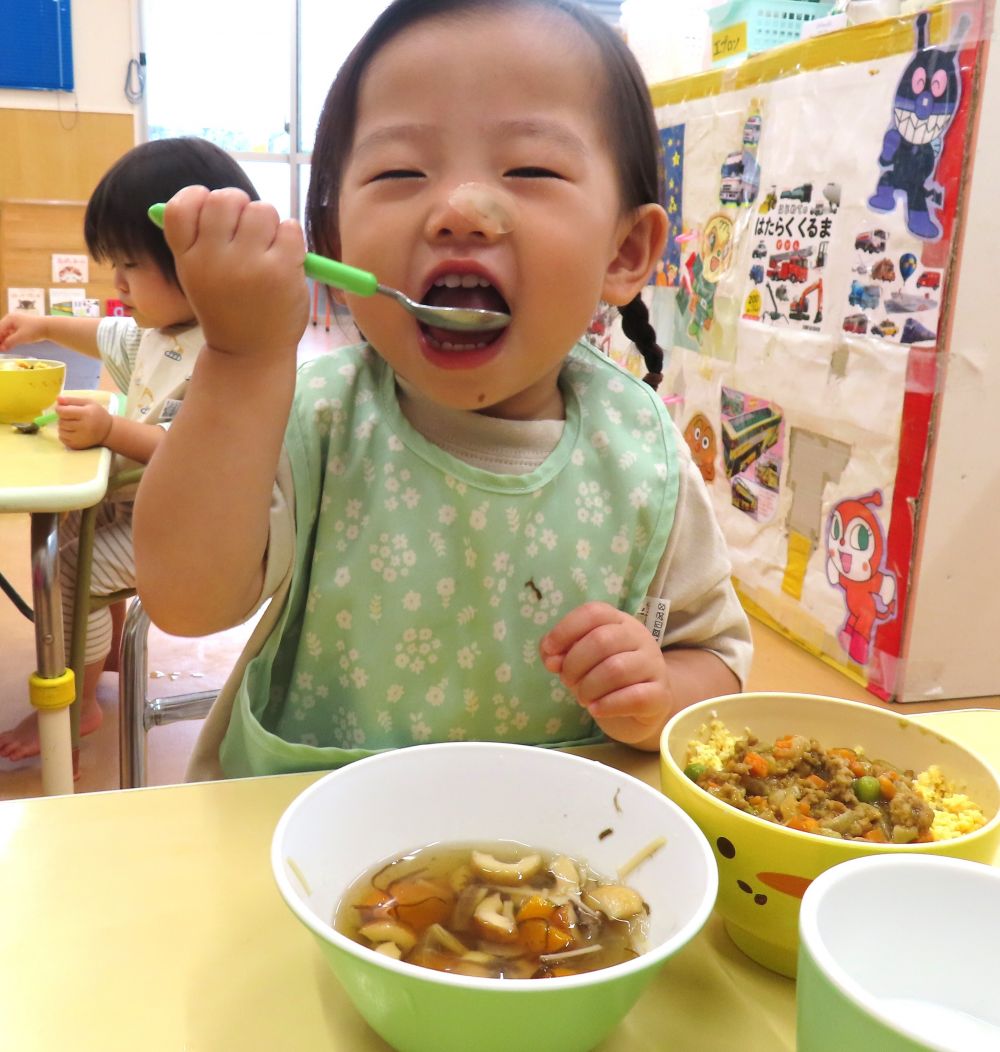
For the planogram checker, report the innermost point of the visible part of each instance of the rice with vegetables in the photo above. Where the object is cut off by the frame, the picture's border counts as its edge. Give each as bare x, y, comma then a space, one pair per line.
835, 792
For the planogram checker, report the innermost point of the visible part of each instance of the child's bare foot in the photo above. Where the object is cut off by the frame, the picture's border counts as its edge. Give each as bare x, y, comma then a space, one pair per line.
22, 741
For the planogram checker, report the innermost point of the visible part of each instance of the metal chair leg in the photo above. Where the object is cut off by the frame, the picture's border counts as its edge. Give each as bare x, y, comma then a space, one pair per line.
132, 677
137, 712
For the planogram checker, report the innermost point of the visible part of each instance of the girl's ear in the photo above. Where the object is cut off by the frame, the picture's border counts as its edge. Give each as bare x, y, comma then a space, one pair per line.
641, 237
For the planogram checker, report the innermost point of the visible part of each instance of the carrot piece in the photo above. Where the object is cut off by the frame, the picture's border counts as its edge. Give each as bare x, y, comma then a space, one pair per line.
563, 918
816, 781
857, 769
756, 801
803, 823
421, 902
535, 906
926, 837
845, 754
887, 787
804, 807
757, 764
533, 934
556, 939
876, 836
783, 743
376, 905
558, 973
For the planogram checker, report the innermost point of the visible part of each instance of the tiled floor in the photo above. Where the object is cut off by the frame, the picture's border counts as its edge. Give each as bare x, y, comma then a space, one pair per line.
184, 665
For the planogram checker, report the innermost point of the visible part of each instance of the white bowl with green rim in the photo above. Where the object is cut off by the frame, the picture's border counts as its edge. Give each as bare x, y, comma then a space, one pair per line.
899, 954
395, 802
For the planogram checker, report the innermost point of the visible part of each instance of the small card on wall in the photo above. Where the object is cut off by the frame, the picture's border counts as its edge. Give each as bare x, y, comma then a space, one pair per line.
62, 301
86, 308
70, 268
27, 301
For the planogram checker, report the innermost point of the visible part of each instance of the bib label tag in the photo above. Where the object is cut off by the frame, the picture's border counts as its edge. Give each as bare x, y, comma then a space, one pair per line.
653, 614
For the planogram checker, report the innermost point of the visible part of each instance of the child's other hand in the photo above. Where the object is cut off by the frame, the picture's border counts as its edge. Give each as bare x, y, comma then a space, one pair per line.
17, 328
240, 268
614, 668
82, 424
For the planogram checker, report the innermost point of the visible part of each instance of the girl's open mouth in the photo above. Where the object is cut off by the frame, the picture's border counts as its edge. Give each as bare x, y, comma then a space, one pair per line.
468, 291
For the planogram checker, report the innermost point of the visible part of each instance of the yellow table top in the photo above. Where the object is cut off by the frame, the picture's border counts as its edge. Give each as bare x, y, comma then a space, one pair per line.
38, 473
148, 919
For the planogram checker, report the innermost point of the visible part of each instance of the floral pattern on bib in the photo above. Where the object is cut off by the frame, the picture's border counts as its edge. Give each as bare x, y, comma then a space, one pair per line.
431, 582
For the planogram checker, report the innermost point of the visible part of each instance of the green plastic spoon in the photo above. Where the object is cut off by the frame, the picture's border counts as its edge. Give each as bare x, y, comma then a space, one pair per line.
363, 283
39, 422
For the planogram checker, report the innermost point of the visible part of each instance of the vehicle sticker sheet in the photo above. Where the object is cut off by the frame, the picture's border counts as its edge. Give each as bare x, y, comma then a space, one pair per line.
814, 201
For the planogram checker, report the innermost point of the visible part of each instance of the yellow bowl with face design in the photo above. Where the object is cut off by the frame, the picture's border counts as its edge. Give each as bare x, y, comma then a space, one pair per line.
764, 868
28, 386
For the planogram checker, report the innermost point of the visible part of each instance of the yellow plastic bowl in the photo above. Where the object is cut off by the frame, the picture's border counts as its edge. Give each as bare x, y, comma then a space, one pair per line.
764, 869
28, 386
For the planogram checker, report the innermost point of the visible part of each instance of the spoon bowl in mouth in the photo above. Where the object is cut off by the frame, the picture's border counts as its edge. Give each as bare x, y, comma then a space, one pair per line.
459, 319
363, 283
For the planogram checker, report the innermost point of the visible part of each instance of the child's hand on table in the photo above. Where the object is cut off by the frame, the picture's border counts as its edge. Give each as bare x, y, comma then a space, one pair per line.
83, 423
240, 268
615, 669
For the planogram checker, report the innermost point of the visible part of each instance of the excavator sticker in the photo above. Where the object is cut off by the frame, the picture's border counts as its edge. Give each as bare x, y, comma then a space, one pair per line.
791, 237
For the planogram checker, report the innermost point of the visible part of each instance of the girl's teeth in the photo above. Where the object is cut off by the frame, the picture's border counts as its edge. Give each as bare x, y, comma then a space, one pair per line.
461, 346
465, 281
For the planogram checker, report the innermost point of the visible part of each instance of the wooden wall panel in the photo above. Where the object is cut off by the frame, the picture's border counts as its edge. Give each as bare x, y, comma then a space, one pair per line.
59, 155
30, 232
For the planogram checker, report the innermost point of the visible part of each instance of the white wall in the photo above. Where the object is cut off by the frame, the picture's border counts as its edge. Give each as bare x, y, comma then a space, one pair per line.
103, 34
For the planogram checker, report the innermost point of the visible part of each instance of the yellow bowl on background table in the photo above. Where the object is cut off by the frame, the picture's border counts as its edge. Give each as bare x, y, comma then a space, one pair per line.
765, 868
28, 386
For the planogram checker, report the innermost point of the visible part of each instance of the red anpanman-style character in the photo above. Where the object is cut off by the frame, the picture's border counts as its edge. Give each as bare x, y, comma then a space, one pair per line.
856, 565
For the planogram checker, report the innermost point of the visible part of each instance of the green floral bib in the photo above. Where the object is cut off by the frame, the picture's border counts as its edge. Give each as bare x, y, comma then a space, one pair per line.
423, 585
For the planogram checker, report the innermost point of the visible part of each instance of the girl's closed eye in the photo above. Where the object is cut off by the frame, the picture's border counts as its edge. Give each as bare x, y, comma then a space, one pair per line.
529, 171
397, 173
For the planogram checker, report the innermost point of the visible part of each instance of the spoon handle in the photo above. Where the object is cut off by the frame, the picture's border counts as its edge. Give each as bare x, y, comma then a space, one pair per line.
319, 268
340, 275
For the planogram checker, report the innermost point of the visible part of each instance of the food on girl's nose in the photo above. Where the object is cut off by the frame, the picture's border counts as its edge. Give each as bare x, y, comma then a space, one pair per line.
497, 912
834, 792
489, 209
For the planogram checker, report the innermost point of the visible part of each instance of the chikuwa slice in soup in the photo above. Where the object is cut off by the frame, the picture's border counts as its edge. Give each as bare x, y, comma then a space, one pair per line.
497, 911
834, 792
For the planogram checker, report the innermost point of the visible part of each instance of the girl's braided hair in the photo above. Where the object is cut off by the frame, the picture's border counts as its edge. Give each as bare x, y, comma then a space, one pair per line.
636, 326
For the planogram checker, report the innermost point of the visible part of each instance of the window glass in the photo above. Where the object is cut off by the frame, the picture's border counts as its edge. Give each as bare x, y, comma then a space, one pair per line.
304, 170
217, 70
328, 32
272, 180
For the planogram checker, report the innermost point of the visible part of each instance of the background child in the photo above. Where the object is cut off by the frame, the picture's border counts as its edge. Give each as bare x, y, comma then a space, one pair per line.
463, 526
148, 356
